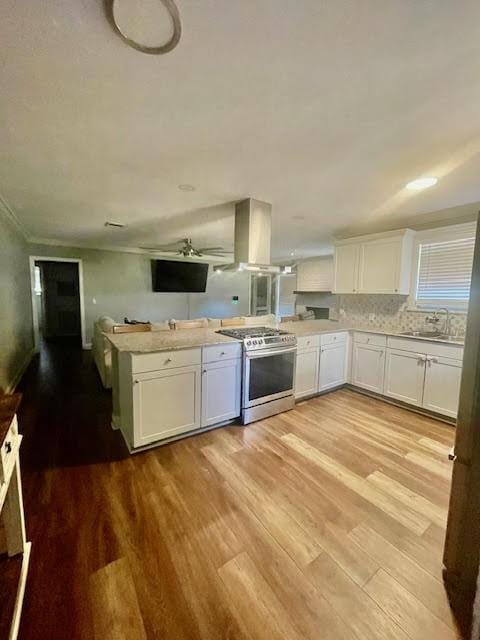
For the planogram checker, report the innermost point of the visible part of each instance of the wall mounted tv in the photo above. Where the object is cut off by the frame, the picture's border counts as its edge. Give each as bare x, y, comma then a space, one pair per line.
175, 276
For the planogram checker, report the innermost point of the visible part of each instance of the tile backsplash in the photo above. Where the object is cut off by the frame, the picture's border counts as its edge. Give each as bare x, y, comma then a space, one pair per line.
386, 312
389, 312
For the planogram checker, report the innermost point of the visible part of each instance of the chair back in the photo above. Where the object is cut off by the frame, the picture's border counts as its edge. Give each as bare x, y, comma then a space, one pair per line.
191, 324
131, 328
233, 322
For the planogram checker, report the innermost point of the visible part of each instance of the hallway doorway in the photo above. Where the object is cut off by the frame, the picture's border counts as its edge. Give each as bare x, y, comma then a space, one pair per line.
57, 300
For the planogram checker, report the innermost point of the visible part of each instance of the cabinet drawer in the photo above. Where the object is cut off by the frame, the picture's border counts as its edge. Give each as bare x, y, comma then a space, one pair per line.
218, 352
423, 346
8, 450
333, 338
307, 342
165, 360
375, 339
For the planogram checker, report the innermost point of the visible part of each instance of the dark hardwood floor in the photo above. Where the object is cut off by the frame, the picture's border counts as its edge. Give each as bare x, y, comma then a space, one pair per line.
324, 522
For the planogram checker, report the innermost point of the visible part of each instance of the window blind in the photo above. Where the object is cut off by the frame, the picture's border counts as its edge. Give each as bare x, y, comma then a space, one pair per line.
445, 271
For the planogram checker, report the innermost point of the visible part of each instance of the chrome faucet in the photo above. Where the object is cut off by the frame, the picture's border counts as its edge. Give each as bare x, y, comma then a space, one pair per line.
446, 326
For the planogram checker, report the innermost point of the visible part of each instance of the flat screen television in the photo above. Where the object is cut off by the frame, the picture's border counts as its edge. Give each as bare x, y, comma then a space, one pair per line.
174, 276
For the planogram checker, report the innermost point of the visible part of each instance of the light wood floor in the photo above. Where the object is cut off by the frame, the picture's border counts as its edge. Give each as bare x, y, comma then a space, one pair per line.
326, 522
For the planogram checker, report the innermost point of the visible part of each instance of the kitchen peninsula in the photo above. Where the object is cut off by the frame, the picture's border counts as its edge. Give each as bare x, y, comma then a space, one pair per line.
171, 384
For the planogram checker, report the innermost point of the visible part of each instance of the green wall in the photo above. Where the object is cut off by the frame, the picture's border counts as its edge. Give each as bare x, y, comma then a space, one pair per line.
16, 333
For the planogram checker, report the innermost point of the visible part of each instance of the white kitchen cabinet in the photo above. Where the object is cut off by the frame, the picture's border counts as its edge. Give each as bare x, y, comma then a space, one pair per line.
404, 376
442, 385
221, 389
165, 403
315, 274
346, 268
333, 365
378, 263
368, 364
306, 372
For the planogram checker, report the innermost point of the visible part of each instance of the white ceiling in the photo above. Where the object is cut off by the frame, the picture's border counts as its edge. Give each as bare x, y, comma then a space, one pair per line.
324, 109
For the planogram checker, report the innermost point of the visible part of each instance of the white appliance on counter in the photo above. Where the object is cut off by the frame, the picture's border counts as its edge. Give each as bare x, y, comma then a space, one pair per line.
268, 378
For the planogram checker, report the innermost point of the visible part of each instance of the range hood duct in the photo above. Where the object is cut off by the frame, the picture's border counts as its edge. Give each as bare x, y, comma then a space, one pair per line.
253, 238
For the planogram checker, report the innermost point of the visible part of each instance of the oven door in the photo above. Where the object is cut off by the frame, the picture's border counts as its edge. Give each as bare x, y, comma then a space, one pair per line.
268, 374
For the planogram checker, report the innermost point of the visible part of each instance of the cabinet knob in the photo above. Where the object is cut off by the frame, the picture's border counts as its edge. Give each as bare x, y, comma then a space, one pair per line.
136, 381
222, 353
204, 371
168, 360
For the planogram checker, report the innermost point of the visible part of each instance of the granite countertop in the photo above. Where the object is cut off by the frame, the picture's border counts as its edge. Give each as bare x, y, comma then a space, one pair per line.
315, 327
8, 408
152, 341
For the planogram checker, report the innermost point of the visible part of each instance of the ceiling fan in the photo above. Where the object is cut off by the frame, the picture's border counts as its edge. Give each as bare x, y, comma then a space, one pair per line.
186, 249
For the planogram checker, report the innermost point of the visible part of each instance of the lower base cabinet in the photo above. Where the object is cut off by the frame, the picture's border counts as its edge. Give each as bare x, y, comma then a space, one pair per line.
306, 373
166, 403
404, 376
221, 391
442, 385
368, 364
333, 366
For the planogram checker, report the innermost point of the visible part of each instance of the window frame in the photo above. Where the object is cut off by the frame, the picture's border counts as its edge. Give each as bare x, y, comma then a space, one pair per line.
441, 234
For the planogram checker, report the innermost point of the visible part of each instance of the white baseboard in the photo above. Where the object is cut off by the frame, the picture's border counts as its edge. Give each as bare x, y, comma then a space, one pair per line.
21, 370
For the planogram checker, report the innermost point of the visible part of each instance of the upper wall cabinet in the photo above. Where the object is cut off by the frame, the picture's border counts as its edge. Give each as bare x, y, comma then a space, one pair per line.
378, 263
315, 274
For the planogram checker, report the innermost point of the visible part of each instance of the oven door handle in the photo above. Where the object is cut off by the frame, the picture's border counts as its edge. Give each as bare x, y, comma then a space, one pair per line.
269, 352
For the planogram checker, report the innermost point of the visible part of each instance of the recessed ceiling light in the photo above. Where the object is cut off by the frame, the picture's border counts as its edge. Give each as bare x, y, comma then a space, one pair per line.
186, 187
292, 253
421, 183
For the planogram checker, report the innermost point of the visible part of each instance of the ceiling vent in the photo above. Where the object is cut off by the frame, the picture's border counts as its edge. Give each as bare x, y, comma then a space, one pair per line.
115, 225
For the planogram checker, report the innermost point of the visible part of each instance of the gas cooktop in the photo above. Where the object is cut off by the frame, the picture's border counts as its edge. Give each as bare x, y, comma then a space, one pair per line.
260, 337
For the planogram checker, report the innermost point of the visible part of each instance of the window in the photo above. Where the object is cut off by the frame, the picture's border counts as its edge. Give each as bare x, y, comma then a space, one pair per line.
37, 285
445, 268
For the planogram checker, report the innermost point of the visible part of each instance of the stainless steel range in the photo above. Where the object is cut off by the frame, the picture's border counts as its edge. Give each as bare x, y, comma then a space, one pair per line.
269, 358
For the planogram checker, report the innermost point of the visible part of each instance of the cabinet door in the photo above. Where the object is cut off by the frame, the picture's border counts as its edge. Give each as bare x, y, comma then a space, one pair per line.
379, 265
221, 388
368, 367
333, 366
442, 385
346, 268
404, 376
165, 403
306, 373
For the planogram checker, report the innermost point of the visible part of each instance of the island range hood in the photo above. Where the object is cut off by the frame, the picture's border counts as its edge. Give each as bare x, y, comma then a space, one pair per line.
253, 238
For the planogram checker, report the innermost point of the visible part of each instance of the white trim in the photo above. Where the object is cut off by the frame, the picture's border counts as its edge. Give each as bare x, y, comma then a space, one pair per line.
452, 232
17, 611
36, 330
20, 371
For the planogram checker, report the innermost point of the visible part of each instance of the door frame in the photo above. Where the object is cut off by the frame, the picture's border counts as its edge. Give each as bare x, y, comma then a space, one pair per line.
36, 324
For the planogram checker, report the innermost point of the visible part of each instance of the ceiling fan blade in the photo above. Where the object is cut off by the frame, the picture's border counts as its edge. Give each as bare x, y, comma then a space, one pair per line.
206, 249
219, 255
159, 249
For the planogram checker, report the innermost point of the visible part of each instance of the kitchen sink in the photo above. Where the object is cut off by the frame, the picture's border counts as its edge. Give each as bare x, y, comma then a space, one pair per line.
422, 334
431, 334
